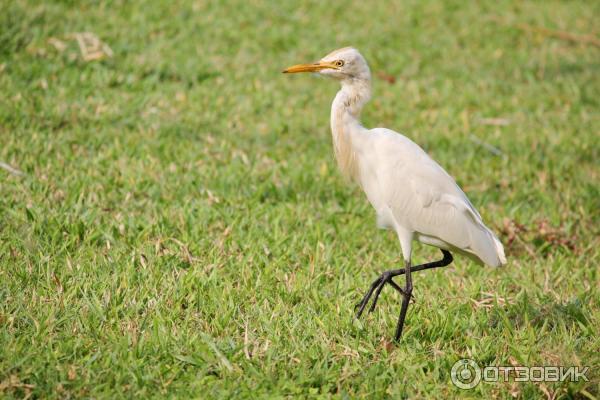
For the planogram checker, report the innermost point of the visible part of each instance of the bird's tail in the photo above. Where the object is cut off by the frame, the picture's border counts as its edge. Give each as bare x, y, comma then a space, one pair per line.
499, 250
487, 247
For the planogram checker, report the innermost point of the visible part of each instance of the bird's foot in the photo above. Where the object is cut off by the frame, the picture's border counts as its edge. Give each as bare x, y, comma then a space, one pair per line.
377, 287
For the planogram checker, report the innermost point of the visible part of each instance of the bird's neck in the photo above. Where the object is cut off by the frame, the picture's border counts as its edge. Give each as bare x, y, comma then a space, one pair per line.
345, 113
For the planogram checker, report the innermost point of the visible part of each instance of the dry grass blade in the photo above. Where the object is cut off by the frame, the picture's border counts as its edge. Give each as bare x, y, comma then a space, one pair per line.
10, 169
495, 121
492, 149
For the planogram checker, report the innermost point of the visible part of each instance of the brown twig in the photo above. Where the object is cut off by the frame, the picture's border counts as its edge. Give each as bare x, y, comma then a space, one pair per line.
568, 36
563, 35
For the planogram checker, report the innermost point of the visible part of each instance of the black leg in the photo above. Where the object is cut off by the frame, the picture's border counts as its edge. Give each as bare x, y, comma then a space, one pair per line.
386, 277
405, 301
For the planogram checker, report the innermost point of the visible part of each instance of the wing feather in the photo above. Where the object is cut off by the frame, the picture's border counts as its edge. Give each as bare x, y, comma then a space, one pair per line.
424, 198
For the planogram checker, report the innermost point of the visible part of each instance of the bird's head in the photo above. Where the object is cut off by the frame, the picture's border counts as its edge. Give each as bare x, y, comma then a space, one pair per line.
343, 64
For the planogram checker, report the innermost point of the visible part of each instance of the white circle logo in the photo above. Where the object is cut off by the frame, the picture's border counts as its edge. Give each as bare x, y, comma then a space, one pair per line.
465, 374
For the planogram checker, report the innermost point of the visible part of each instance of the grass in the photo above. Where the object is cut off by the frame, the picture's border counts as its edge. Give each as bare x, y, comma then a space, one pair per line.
181, 230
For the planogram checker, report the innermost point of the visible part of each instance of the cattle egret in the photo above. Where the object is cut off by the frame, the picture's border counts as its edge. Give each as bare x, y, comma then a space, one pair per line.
411, 193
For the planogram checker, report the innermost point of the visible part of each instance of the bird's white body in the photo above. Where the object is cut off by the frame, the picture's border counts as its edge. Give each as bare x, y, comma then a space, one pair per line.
411, 193
423, 203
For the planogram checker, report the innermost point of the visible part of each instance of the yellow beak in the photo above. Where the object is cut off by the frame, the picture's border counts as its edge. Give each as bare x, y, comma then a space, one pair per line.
309, 67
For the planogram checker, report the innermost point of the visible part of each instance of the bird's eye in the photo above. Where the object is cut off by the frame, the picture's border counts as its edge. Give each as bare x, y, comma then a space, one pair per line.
339, 63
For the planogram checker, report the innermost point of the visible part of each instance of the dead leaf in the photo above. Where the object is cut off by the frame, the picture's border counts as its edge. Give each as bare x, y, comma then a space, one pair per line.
391, 79
91, 47
58, 44
72, 374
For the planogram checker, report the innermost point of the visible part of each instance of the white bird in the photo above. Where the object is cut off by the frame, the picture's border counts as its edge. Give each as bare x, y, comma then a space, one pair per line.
411, 193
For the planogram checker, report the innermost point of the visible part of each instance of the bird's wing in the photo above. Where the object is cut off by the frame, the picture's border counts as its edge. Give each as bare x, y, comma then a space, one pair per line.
424, 196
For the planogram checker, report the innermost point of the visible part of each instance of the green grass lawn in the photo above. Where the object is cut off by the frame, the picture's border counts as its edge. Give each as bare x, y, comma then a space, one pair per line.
180, 228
